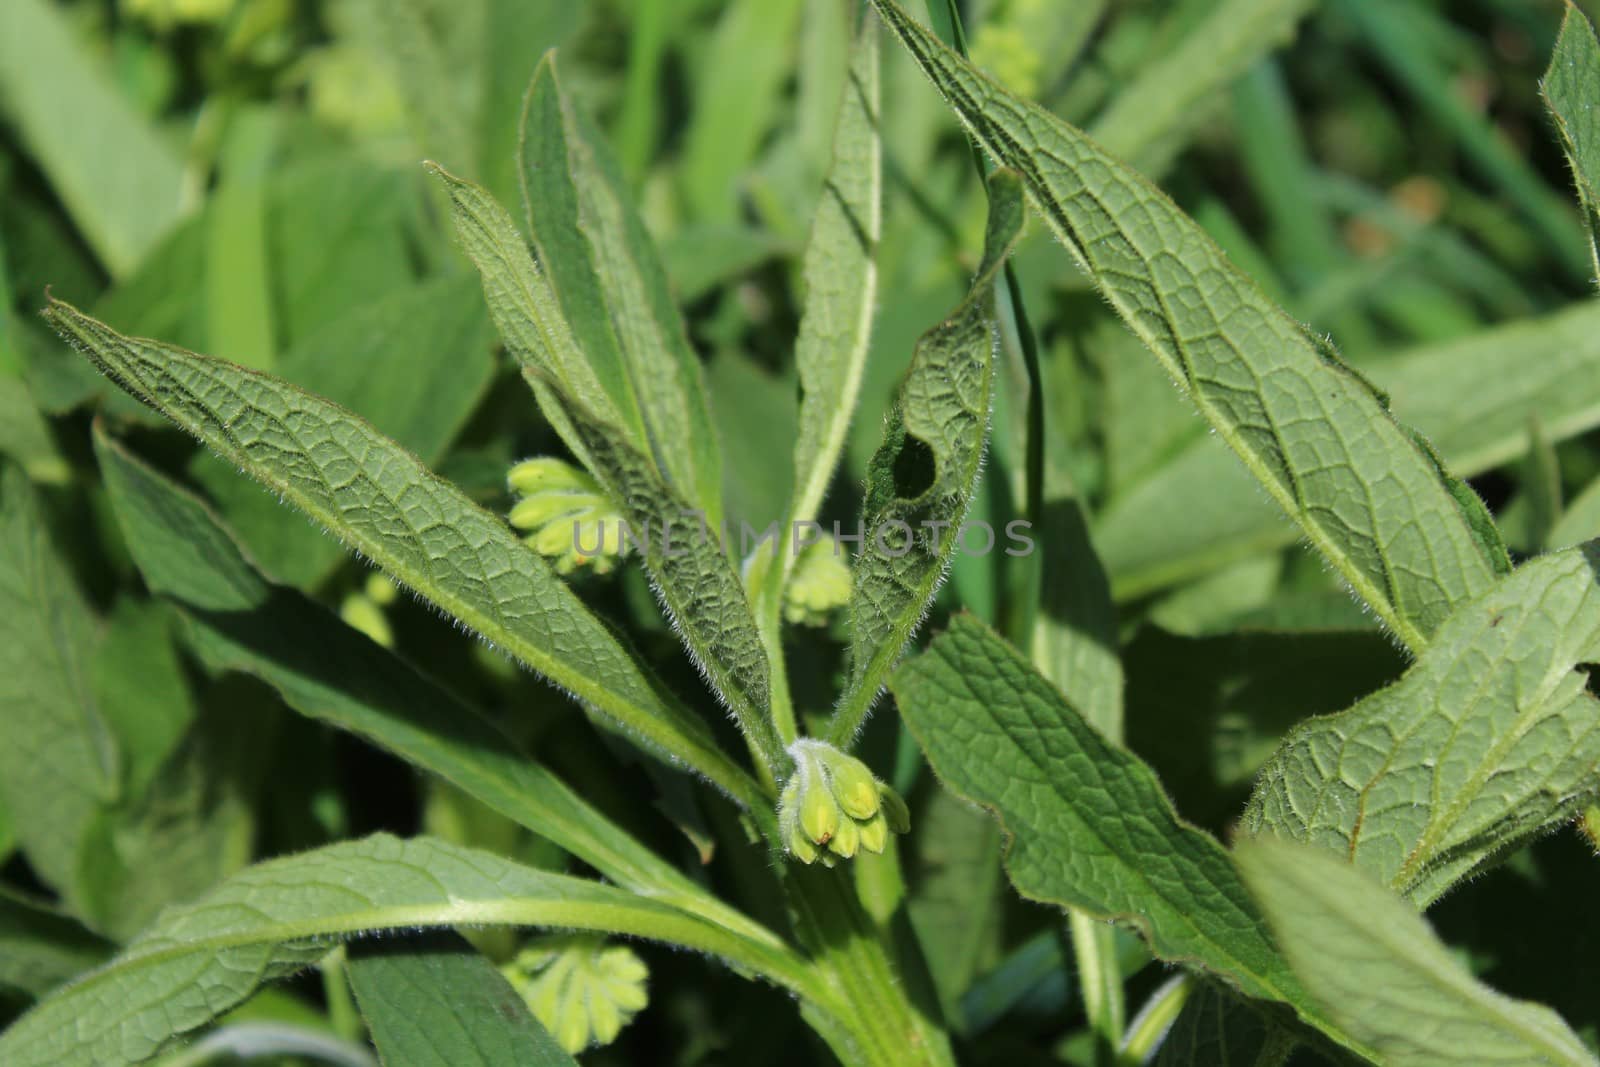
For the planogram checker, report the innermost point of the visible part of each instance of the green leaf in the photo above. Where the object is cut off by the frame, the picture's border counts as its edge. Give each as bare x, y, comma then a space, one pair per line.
483, 1021
607, 276
1472, 398
425, 533
1086, 823
956, 901
691, 572
281, 916
1216, 1028
840, 278
115, 175
1148, 122
925, 472
329, 672
414, 362
141, 690
1489, 740
41, 949
1382, 973
1571, 90
1581, 519
740, 77
1315, 435
24, 434
182, 834
58, 757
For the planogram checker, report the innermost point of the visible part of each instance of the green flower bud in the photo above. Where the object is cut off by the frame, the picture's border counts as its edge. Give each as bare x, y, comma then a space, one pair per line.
581, 988
819, 813
894, 810
875, 833
569, 518
847, 840
819, 584
832, 807
853, 786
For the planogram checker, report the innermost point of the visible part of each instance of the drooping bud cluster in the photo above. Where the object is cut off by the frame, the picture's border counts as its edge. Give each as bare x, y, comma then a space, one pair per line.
570, 519
832, 807
581, 987
819, 585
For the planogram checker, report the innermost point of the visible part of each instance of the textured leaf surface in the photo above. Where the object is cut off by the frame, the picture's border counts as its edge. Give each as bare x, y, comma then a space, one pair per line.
1572, 90
1218, 1029
925, 471
1087, 824
840, 273
280, 916
414, 363
329, 672
58, 757
1379, 970
1489, 739
692, 575
425, 533
1315, 435
482, 1021
612, 289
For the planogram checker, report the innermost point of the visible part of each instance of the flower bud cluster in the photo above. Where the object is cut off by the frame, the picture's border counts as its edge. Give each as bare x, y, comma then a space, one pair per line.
832, 807
563, 508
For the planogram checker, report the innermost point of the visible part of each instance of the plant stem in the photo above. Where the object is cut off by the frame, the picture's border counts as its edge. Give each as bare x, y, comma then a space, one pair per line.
874, 1021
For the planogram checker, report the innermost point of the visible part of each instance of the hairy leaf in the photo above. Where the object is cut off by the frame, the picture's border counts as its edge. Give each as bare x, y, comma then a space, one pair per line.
1379, 970
1487, 741
1572, 89
1365, 492
425, 533
922, 478
280, 916
481, 1022
1086, 823
612, 289
692, 574
329, 672
840, 277
59, 764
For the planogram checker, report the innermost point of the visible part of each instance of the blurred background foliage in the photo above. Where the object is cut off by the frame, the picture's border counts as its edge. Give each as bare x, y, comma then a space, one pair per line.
240, 177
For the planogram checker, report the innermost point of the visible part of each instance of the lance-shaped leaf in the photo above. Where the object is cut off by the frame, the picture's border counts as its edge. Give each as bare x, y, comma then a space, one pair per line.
482, 1023
381, 501
840, 277
1410, 541
1487, 741
329, 672
609, 283
691, 572
280, 916
1572, 91
1087, 824
1472, 397
921, 480
58, 757
1379, 970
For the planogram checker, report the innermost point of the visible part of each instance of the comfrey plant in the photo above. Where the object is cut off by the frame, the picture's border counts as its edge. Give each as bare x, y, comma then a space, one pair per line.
1302, 939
